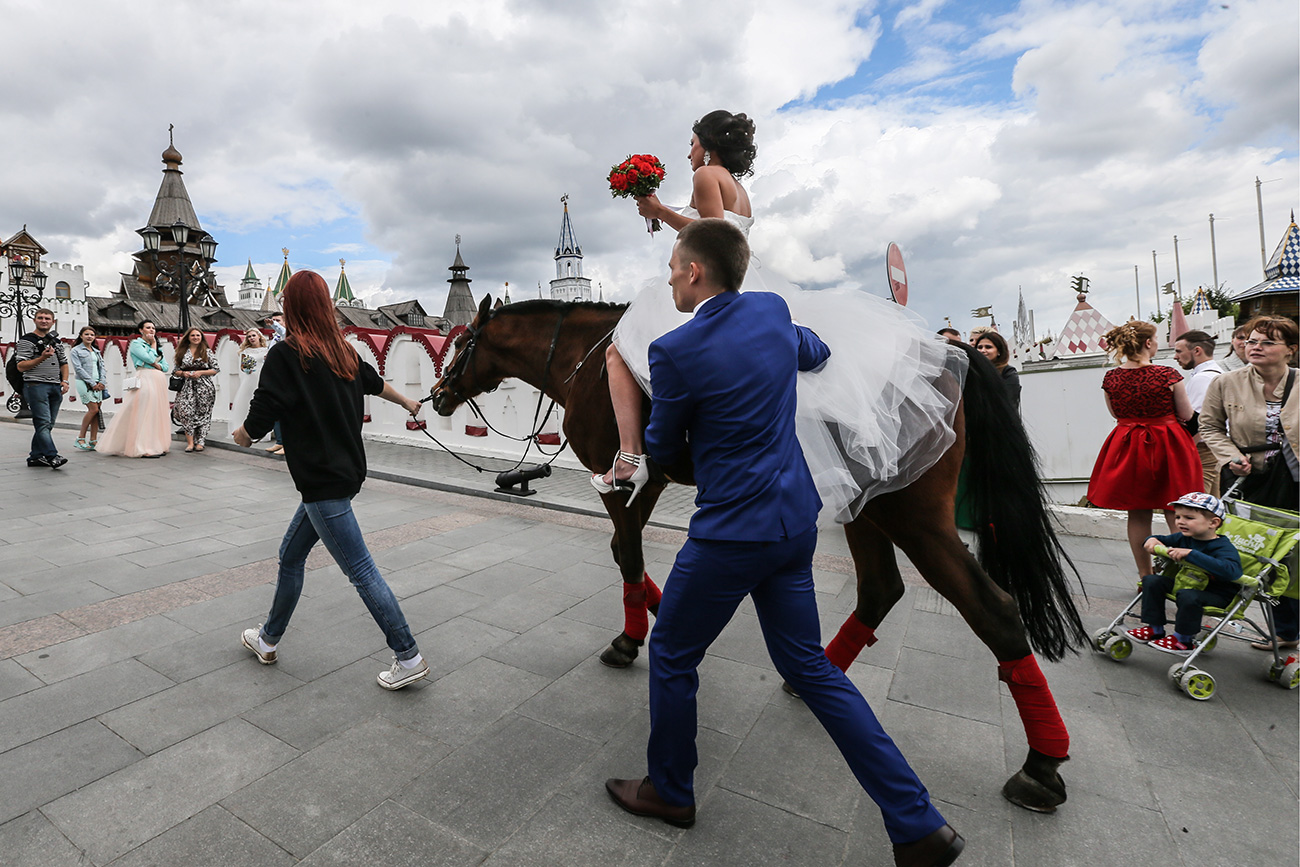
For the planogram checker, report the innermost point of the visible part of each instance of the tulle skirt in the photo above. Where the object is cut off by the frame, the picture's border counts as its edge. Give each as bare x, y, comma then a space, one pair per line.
143, 425
875, 418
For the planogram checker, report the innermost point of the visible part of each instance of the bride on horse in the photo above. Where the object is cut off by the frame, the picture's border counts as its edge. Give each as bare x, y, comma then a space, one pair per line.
873, 420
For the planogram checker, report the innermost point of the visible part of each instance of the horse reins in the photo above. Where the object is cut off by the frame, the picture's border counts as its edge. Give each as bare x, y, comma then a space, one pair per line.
463, 362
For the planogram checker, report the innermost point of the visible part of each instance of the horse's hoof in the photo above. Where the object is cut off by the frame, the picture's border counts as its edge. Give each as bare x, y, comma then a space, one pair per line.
1037, 786
788, 689
621, 653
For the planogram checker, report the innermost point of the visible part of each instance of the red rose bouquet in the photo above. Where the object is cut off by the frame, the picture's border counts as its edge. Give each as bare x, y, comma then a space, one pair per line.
638, 175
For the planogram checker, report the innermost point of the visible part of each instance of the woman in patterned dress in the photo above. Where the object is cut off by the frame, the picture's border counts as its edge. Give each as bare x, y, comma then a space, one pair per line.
1148, 460
197, 366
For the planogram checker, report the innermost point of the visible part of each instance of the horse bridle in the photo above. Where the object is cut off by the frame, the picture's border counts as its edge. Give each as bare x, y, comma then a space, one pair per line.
461, 363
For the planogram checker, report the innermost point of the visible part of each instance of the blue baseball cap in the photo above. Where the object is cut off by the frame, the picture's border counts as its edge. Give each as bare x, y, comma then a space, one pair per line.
1199, 500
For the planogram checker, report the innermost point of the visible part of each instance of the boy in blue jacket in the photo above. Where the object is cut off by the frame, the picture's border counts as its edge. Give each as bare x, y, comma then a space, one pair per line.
1197, 543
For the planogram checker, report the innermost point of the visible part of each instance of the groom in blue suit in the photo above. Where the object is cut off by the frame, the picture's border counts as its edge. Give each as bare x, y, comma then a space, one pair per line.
724, 390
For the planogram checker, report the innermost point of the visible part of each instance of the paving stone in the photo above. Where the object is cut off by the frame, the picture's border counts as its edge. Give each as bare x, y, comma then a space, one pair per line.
569, 833
738, 831
86, 751
314, 797
489, 787
1250, 818
925, 736
328, 706
310, 650
450, 645
81, 655
68, 594
127, 808
437, 605
592, 700
15, 680
40, 712
498, 579
524, 609
1095, 833
733, 694
395, 837
31, 841
788, 761
461, 706
234, 608
168, 717
213, 838
552, 648
193, 655
962, 687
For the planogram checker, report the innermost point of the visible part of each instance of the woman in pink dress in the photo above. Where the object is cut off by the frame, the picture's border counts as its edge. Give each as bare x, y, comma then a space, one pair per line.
142, 428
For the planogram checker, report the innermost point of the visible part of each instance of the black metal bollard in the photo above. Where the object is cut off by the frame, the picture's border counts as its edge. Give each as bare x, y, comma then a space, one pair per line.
522, 476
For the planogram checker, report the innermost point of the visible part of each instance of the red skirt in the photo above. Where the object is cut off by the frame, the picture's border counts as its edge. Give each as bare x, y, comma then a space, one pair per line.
1145, 463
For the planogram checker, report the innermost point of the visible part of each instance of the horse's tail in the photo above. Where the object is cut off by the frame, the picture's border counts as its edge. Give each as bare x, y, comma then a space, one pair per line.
1018, 547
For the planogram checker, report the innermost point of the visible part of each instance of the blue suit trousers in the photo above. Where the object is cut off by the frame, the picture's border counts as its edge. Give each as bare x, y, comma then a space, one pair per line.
708, 581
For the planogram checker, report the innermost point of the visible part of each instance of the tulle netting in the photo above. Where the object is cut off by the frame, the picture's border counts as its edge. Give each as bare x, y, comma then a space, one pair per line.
875, 418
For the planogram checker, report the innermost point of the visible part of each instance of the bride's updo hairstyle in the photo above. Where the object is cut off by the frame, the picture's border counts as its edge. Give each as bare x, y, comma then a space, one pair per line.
1127, 340
731, 137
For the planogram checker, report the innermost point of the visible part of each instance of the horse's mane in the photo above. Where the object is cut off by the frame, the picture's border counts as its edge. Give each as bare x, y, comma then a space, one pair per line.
548, 305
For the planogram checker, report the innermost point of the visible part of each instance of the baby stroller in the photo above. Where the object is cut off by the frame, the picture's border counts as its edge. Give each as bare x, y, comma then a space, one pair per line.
1266, 539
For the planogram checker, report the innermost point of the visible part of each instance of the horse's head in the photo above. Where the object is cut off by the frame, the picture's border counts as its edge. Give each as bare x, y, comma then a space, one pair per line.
472, 371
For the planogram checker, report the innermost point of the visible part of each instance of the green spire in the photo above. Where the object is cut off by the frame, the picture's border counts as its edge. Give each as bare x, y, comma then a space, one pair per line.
249, 276
285, 273
343, 296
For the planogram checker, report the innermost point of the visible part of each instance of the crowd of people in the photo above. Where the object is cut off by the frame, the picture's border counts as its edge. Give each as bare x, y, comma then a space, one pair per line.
1177, 443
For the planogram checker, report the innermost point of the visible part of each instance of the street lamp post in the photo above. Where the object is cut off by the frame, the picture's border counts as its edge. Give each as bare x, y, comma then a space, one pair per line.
176, 275
19, 302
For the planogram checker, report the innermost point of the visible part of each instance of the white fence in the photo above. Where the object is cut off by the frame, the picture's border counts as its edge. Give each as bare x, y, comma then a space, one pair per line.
410, 360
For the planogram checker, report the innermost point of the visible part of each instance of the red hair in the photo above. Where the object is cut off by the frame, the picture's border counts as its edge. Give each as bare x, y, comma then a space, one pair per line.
313, 330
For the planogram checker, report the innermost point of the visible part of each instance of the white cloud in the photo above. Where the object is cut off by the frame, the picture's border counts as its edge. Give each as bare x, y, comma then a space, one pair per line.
1127, 122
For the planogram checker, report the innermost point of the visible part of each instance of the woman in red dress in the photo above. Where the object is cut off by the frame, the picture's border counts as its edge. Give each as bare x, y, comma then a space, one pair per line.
1148, 460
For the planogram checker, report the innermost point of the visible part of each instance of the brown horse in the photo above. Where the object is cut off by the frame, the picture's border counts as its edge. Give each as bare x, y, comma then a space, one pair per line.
558, 348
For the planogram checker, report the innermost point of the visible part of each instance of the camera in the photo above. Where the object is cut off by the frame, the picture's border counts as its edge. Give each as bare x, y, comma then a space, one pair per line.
51, 340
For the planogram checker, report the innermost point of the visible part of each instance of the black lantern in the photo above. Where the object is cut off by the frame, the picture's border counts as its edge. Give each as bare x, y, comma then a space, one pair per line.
208, 248
180, 233
152, 238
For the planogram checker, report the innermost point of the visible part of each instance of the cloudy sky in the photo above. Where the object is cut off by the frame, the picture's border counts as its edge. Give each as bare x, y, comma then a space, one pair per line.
1001, 144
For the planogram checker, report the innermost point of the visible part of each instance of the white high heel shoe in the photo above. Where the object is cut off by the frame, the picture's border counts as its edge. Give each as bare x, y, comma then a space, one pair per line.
633, 483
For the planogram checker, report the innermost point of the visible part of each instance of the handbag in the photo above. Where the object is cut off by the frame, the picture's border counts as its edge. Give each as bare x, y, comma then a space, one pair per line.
130, 383
175, 383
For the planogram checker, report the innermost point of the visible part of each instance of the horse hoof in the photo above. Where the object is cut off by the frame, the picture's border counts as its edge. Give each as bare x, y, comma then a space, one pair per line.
1037, 786
788, 689
621, 653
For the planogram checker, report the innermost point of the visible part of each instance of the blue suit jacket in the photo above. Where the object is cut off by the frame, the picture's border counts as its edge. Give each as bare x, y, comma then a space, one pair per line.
727, 378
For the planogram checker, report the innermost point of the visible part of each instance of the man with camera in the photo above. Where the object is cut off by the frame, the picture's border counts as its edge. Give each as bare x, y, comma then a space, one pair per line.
43, 362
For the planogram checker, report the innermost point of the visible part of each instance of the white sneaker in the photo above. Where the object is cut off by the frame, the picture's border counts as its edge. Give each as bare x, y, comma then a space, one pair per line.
398, 677
249, 638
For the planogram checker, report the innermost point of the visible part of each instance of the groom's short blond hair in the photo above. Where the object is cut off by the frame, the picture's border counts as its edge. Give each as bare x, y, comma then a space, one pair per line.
719, 247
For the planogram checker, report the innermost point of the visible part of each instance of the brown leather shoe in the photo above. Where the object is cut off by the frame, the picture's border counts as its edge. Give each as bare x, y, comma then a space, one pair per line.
639, 798
938, 849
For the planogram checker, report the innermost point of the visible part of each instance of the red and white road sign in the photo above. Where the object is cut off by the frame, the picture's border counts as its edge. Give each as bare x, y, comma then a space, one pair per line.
897, 274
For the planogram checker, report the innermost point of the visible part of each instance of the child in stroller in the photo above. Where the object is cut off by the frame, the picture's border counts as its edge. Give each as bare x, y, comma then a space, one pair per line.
1197, 544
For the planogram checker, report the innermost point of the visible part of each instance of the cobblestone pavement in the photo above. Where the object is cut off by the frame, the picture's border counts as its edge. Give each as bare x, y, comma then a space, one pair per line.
134, 730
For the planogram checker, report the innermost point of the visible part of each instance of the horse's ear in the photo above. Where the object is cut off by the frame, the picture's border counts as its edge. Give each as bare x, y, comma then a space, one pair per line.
498, 305
484, 307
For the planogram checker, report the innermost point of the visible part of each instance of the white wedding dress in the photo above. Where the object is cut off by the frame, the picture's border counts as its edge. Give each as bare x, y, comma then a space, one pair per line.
250, 373
875, 417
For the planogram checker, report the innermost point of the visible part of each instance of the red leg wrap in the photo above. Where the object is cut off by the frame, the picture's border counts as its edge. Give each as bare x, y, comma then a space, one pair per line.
652, 593
1044, 727
849, 641
636, 623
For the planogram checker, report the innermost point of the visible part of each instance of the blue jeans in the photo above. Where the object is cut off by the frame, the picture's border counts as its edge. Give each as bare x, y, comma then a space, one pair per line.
1190, 604
44, 398
707, 583
332, 522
